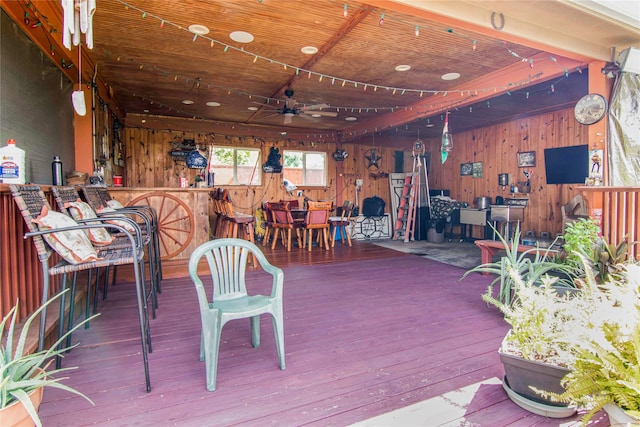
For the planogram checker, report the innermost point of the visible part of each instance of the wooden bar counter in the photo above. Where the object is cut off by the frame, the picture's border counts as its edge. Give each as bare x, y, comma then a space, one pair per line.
184, 216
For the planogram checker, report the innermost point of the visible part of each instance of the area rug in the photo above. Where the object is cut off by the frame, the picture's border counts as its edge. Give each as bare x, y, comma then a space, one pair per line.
460, 254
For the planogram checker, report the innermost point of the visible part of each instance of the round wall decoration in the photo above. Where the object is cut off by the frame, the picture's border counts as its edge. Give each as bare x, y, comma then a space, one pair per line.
590, 109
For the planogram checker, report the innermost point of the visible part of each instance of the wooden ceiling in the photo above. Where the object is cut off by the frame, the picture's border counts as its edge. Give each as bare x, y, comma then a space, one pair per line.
152, 62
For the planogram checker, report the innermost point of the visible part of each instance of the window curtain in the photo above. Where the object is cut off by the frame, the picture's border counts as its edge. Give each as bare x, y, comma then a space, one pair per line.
624, 131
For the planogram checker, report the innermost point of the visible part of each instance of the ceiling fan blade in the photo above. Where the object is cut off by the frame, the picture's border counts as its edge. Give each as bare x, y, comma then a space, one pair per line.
321, 113
308, 117
262, 104
314, 107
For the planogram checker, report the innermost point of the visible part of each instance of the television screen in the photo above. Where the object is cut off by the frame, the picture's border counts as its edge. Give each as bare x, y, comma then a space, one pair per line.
567, 165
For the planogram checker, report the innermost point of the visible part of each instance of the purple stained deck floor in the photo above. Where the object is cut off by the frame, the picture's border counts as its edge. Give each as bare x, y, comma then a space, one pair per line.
364, 335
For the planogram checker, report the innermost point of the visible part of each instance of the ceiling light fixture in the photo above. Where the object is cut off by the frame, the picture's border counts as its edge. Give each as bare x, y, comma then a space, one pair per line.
213, 104
198, 29
351, 119
241, 37
450, 76
316, 115
403, 67
187, 102
309, 50
252, 108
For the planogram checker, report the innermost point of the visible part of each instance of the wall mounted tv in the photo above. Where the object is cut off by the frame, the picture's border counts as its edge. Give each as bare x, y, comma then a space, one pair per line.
567, 165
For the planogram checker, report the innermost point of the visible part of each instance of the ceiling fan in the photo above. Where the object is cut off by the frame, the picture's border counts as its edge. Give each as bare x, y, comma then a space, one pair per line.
290, 109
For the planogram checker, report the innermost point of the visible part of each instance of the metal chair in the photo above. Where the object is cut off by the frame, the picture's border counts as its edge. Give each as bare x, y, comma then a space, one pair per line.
226, 298
33, 206
98, 197
68, 201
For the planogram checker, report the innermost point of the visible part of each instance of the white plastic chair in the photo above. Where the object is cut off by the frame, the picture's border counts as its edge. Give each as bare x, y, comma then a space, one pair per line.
228, 299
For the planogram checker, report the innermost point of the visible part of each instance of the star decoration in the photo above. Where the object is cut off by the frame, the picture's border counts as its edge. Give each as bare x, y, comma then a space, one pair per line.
373, 157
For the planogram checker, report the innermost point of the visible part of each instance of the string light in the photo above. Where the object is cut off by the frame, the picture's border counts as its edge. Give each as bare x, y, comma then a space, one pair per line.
345, 12
381, 21
417, 31
475, 44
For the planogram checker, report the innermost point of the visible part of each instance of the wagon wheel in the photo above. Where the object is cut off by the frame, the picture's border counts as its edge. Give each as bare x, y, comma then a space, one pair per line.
175, 222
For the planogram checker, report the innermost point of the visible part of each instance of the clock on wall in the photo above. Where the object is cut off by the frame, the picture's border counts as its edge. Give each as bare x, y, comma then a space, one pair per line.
590, 109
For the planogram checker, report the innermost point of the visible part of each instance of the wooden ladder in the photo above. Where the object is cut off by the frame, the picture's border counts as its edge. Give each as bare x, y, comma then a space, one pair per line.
405, 222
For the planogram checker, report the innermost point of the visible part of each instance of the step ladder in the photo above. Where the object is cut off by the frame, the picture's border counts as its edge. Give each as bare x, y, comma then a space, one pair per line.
405, 222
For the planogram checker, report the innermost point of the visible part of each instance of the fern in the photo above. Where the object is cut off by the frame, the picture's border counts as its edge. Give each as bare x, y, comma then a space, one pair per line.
607, 364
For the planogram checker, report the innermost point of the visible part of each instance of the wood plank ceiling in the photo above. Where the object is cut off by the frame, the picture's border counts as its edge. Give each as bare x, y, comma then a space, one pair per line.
153, 63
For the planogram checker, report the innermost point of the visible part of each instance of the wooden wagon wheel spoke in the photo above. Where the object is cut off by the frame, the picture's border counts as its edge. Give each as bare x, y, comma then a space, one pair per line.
176, 224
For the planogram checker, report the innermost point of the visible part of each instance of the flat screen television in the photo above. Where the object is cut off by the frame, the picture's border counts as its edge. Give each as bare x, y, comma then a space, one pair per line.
567, 165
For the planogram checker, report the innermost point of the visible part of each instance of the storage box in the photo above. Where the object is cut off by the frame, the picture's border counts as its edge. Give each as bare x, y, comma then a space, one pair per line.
506, 213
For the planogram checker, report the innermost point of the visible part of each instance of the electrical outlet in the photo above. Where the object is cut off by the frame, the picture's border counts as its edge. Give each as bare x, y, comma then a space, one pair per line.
359, 183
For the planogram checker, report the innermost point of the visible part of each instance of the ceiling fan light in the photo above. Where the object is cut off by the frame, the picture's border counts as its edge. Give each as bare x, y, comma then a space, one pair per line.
403, 67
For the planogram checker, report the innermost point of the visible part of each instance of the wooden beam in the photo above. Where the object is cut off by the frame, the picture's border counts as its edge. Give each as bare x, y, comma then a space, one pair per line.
337, 37
517, 76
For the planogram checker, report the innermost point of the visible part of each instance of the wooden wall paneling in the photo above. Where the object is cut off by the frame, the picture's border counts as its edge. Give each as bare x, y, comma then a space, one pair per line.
149, 164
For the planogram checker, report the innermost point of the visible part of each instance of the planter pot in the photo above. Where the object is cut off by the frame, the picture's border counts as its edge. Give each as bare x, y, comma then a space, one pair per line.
15, 415
617, 417
520, 374
523, 373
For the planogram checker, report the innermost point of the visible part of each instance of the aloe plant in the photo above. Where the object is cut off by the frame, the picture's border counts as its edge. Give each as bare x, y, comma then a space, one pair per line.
22, 372
529, 265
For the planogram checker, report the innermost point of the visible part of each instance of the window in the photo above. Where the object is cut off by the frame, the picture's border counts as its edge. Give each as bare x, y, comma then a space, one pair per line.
307, 168
236, 166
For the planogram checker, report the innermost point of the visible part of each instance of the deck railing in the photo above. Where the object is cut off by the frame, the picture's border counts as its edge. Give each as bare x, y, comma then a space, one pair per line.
618, 208
20, 268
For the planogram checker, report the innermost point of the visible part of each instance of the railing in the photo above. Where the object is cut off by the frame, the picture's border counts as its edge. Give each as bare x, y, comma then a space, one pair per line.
20, 268
618, 209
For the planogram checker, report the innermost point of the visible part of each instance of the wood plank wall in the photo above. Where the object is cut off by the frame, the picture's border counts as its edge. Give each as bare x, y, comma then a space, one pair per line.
496, 148
149, 165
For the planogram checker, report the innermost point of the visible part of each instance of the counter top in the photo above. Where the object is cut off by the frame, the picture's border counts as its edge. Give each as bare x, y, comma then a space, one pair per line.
168, 189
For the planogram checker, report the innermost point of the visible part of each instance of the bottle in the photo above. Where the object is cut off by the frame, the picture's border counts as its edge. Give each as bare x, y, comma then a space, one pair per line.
56, 170
12, 164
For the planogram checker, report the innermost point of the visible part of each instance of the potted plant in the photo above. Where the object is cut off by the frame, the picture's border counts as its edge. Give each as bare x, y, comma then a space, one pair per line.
534, 352
529, 266
606, 371
23, 375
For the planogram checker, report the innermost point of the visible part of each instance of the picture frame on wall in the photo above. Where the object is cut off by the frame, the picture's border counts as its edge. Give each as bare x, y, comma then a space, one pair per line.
477, 169
466, 169
526, 159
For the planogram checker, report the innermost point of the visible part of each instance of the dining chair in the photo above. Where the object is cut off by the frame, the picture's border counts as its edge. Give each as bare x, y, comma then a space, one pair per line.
283, 223
53, 231
317, 219
340, 223
268, 223
225, 297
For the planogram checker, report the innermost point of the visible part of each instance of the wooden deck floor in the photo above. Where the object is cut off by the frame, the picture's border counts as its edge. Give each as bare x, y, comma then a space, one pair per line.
368, 330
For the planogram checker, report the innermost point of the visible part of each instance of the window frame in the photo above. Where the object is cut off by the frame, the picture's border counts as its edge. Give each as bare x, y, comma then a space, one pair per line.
256, 177
325, 171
